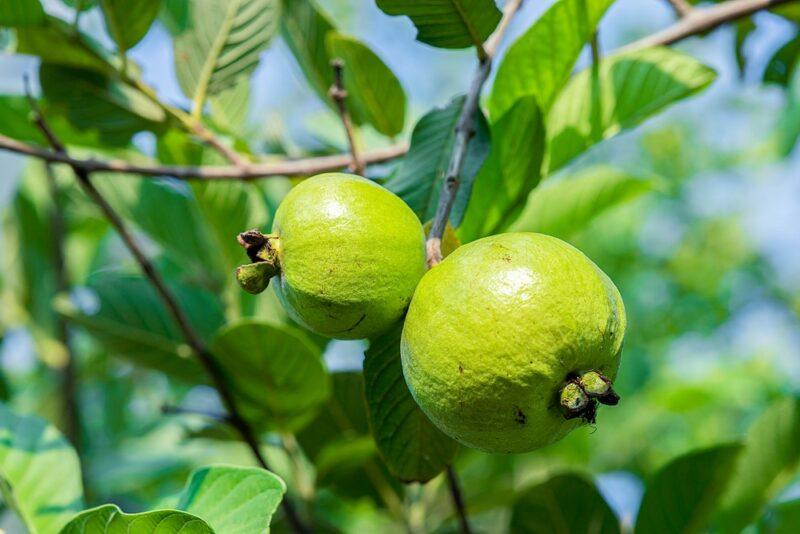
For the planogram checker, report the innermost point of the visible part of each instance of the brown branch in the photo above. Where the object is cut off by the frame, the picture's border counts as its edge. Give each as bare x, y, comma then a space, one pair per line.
682, 8
464, 131
338, 93
458, 500
702, 20
203, 354
250, 171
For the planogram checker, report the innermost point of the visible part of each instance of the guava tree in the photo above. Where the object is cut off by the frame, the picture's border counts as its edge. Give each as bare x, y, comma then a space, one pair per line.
128, 275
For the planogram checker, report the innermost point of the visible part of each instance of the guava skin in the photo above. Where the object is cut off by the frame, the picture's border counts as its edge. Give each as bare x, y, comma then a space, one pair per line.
350, 255
494, 332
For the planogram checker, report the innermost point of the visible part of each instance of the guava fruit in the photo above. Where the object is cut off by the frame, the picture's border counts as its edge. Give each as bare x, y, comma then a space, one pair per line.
345, 254
511, 341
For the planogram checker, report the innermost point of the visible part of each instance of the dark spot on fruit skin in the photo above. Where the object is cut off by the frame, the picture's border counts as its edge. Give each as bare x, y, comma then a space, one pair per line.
519, 416
460, 369
506, 258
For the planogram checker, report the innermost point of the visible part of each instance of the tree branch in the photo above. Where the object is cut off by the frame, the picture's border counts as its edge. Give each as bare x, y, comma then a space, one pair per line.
464, 132
682, 8
458, 500
339, 95
203, 354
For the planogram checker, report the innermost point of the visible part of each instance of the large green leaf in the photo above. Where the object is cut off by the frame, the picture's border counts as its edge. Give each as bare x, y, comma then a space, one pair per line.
783, 518
565, 504
132, 322
57, 42
40, 475
305, 28
509, 174
540, 62
448, 23
413, 449
229, 108
561, 207
94, 102
769, 459
21, 13
235, 500
629, 88
222, 42
419, 178
685, 492
128, 20
374, 92
277, 373
109, 519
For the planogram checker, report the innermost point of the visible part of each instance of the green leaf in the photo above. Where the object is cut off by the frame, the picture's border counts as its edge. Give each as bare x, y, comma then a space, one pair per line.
305, 28
782, 65
15, 121
128, 20
419, 178
21, 13
222, 43
57, 42
686, 491
567, 205
767, 463
109, 519
40, 475
540, 62
235, 500
277, 373
632, 86
413, 449
229, 108
82, 5
132, 322
175, 15
509, 174
94, 102
565, 504
375, 95
783, 518
448, 23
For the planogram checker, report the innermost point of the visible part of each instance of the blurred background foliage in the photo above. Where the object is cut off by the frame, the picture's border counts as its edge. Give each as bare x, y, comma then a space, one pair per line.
703, 244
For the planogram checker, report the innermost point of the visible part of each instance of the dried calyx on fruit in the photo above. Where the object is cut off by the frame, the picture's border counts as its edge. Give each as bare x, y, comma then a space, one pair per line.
581, 394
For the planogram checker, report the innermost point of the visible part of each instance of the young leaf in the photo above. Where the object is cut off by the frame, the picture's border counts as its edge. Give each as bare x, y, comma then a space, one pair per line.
222, 42
131, 322
565, 504
40, 475
413, 449
631, 87
109, 519
768, 461
448, 23
374, 93
686, 491
509, 174
540, 62
234, 500
128, 20
277, 373
56, 42
419, 178
21, 13
565, 206
98, 103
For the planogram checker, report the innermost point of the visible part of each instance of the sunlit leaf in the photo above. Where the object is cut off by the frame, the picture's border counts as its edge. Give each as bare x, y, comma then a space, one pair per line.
685, 492
448, 23
128, 20
229, 107
412, 448
632, 87
419, 178
40, 475
565, 504
564, 206
109, 519
540, 62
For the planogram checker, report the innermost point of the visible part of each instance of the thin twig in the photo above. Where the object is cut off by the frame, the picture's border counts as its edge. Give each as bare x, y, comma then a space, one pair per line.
682, 8
169, 409
463, 133
338, 93
203, 354
703, 20
458, 500
250, 171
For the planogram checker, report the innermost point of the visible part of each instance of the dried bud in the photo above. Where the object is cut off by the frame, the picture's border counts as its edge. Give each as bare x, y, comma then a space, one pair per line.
598, 387
574, 400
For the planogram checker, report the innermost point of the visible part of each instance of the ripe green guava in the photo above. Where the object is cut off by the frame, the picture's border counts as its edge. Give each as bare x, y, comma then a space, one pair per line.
346, 255
511, 341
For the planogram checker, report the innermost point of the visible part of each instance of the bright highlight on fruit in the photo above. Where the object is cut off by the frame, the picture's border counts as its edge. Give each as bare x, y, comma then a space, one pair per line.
345, 255
511, 341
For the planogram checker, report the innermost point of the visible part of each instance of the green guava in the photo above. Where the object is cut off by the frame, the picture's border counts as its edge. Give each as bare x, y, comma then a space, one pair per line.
346, 255
505, 336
